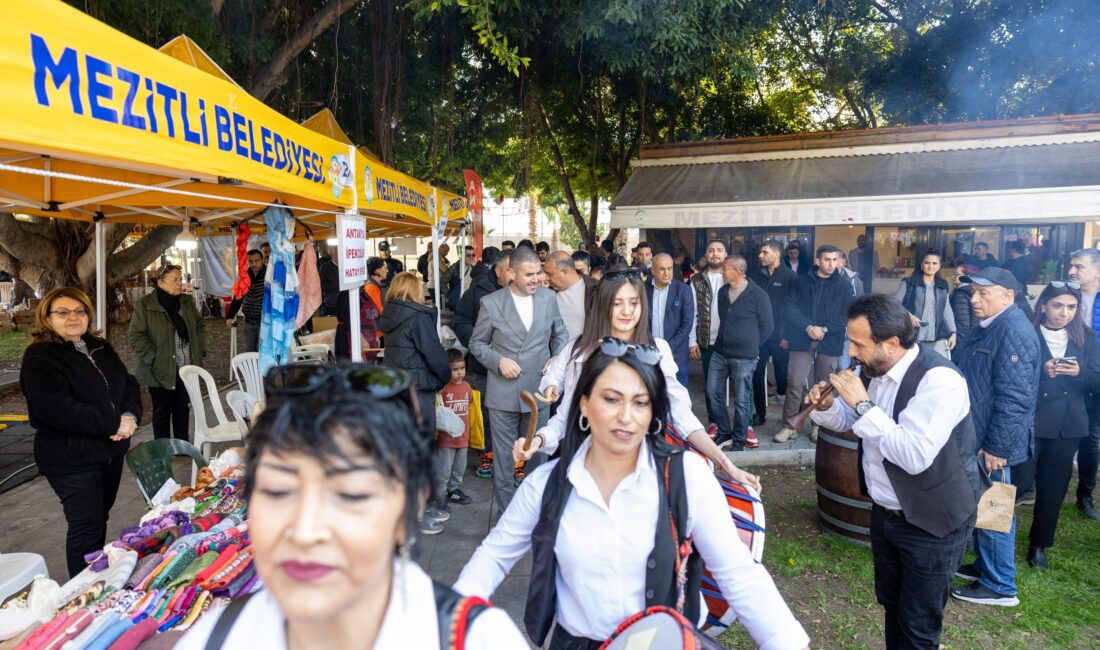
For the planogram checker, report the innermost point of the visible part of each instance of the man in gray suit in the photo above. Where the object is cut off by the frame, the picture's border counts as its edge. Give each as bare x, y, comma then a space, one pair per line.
518, 331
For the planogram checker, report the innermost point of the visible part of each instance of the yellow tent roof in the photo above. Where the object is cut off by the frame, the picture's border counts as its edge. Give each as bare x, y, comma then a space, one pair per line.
188, 51
324, 122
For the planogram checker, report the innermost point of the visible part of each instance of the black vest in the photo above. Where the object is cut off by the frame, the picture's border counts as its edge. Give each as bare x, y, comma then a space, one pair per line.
945, 496
660, 579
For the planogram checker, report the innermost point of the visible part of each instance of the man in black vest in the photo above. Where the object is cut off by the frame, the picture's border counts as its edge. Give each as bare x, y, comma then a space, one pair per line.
918, 463
251, 303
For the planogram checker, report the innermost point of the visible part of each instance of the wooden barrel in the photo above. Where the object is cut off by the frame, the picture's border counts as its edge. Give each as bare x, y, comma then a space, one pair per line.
843, 511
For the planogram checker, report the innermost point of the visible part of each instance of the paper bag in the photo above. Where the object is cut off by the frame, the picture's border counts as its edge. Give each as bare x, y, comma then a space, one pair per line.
996, 506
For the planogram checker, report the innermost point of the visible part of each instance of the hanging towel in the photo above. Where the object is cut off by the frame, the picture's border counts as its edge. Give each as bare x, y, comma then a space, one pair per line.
309, 285
280, 291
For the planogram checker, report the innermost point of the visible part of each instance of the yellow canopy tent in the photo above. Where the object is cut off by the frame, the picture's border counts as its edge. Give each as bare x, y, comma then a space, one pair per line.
99, 127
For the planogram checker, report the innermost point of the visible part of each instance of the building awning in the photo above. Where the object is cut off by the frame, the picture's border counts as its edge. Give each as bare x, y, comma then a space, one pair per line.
1047, 178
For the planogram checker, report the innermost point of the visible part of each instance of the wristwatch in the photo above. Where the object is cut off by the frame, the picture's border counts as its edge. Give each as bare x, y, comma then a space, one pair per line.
824, 329
863, 406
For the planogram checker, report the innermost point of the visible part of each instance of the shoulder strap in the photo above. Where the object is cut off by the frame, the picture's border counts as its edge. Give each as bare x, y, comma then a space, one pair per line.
225, 622
456, 614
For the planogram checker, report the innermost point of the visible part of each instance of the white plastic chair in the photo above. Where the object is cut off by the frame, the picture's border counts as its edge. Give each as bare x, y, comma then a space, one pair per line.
246, 370
314, 353
223, 430
242, 404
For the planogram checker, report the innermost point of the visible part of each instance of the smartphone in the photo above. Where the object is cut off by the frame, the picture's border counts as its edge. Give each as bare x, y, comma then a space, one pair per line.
1065, 361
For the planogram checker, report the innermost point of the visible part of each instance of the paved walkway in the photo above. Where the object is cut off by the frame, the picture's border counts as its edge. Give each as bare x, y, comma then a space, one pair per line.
32, 519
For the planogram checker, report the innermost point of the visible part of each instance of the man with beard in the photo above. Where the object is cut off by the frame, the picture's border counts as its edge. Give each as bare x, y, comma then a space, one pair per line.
488, 276
778, 281
704, 289
1000, 360
251, 303
394, 266
917, 463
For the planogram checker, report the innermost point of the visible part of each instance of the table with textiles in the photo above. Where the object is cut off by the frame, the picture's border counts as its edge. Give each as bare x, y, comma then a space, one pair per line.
158, 576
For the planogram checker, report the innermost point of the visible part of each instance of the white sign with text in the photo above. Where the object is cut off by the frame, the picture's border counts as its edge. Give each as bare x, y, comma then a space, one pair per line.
352, 231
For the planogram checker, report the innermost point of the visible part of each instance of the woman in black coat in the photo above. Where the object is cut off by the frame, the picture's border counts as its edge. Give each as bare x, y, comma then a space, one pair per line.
84, 406
1070, 371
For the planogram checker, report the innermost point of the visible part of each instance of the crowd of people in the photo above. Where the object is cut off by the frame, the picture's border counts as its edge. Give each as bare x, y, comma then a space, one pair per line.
947, 388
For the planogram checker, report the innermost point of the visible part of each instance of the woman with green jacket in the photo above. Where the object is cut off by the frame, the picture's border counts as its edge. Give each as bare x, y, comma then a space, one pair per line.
167, 333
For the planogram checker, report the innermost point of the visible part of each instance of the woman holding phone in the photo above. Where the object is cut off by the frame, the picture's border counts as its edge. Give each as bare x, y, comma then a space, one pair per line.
1070, 371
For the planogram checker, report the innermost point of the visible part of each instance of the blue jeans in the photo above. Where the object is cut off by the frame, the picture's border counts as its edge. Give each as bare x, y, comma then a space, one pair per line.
995, 561
740, 372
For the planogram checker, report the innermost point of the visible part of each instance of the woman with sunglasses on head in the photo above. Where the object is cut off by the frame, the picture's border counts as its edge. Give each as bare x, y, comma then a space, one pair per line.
335, 483
1069, 376
604, 522
167, 333
84, 406
619, 309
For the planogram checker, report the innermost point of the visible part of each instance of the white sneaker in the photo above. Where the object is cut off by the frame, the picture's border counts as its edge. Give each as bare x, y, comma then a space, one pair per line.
433, 513
786, 434
429, 527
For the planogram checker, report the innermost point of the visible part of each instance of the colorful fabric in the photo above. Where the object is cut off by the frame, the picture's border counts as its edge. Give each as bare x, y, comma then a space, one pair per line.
243, 282
280, 291
309, 285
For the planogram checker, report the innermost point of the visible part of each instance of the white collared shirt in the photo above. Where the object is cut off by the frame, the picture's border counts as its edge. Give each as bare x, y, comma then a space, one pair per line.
411, 621
564, 373
525, 305
657, 311
571, 306
602, 549
716, 283
923, 427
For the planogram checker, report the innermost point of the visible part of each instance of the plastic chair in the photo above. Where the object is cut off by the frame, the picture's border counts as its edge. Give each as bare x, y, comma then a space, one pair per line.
246, 370
18, 570
241, 403
223, 430
151, 463
314, 353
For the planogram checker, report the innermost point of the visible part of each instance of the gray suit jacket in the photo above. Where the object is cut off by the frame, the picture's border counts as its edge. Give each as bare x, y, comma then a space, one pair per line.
499, 333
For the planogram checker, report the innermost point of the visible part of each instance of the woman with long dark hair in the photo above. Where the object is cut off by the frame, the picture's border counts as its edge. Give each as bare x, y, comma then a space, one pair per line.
619, 309
925, 295
84, 406
588, 518
1070, 374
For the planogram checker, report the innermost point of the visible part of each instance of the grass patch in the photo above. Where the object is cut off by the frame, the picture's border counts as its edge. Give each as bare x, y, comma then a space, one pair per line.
829, 585
12, 344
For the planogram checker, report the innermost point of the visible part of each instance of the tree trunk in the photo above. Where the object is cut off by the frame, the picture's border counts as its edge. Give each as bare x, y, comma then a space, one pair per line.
58, 252
589, 234
273, 74
387, 30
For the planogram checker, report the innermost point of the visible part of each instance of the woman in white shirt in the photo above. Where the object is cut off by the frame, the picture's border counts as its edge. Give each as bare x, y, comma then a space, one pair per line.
337, 475
619, 309
597, 521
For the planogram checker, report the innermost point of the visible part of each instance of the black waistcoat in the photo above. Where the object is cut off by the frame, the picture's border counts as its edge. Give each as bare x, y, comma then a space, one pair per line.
660, 579
945, 496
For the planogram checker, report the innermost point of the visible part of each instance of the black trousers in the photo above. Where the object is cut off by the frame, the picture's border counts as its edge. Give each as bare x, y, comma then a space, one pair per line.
171, 410
770, 350
913, 574
1088, 457
1053, 469
87, 499
562, 640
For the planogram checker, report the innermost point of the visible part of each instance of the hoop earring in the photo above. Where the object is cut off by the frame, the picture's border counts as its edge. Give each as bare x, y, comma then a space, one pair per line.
582, 422
660, 426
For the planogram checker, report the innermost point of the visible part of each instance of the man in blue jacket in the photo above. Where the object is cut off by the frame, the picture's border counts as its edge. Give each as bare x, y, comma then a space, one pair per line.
1000, 360
672, 312
1084, 268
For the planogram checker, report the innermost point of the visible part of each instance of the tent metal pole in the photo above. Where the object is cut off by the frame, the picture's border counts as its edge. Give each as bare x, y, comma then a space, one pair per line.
101, 278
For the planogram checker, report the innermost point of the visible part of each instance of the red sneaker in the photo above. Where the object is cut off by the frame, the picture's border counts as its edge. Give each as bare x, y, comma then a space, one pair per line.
750, 439
712, 431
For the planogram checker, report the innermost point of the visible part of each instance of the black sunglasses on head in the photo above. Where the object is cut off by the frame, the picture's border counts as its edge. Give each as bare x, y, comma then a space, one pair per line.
624, 273
168, 268
302, 379
647, 354
1058, 284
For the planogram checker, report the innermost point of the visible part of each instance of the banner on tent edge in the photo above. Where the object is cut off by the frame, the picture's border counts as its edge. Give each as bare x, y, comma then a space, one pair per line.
352, 260
474, 202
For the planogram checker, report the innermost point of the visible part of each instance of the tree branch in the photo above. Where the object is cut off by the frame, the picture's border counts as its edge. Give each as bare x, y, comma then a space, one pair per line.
130, 260
27, 242
271, 76
563, 172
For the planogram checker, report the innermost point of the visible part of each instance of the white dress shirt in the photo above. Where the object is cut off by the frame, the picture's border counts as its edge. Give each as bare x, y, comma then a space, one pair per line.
411, 621
525, 305
716, 283
912, 443
602, 549
657, 311
571, 306
564, 373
